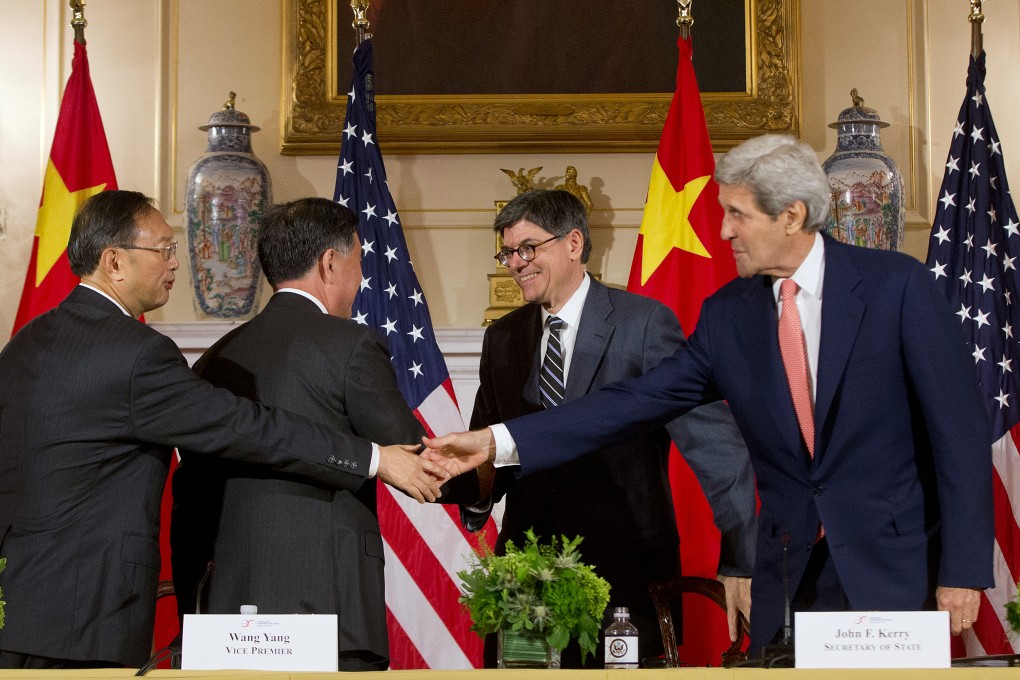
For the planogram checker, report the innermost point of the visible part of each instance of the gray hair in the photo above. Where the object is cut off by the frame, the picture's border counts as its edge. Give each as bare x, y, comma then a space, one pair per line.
778, 170
558, 212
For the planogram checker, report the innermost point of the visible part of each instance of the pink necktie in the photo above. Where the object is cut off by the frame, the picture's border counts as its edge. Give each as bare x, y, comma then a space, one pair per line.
791, 346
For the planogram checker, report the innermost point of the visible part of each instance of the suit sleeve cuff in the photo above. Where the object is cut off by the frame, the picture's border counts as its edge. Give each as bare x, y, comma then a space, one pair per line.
506, 448
373, 466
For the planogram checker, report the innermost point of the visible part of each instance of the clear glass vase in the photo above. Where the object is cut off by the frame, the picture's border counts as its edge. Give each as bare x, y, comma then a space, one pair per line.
524, 649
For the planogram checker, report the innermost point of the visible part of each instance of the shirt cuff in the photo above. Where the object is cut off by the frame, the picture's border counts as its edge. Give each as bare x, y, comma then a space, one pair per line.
506, 448
373, 467
481, 507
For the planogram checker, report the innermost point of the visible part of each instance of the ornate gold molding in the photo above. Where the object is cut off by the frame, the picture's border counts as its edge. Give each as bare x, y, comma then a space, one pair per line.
313, 110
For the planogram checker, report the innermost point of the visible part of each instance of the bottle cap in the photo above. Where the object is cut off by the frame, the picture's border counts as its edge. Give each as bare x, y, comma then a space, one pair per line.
618, 611
249, 609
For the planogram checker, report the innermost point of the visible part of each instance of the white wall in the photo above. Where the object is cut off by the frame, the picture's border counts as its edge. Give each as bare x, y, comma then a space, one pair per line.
161, 67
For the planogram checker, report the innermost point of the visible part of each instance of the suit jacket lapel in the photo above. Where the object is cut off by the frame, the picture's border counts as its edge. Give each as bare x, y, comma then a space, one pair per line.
842, 312
593, 336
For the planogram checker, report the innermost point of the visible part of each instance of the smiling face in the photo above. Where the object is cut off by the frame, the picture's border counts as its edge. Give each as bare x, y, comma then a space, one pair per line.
761, 244
556, 270
148, 278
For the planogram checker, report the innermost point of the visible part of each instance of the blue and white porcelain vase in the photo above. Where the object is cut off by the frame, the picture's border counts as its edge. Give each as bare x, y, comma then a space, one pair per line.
867, 187
228, 192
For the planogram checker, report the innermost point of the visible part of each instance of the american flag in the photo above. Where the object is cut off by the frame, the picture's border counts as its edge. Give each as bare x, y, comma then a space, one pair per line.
974, 254
425, 545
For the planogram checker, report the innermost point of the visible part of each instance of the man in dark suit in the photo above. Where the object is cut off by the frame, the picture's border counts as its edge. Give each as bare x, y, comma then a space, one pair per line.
620, 501
283, 543
860, 407
92, 404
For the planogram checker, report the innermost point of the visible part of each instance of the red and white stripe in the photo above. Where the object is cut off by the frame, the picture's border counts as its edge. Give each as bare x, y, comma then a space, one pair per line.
425, 547
991, 633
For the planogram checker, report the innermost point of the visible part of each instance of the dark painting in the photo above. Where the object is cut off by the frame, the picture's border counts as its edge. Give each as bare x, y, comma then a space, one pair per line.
465, 47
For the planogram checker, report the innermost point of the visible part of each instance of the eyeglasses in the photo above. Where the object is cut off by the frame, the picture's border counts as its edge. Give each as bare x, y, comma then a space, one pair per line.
526, 251
167, 251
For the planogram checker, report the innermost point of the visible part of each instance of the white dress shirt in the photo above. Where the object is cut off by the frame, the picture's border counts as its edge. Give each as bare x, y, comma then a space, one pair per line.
809, 277
570, 313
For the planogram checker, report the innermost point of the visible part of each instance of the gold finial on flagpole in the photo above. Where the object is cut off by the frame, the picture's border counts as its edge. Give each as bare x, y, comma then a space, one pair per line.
976, 18
78, 22
360, 23
685, 20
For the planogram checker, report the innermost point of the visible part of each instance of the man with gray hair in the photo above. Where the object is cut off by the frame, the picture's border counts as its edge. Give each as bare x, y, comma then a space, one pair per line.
847, 375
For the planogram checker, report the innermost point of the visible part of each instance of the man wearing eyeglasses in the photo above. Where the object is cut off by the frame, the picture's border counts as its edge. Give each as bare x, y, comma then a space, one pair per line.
92, 404
574, 336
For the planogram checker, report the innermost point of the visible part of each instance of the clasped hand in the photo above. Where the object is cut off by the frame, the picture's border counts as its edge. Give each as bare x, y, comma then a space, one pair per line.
460, 452
401, 467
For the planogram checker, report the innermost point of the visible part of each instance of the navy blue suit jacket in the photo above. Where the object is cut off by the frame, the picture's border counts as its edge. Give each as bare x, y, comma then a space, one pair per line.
901, 477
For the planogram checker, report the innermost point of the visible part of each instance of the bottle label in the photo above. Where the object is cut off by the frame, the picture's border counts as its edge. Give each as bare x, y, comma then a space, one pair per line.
622, 650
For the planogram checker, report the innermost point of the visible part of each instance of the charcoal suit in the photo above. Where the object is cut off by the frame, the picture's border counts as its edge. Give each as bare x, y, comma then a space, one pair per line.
92, 404
282, 543
620, 499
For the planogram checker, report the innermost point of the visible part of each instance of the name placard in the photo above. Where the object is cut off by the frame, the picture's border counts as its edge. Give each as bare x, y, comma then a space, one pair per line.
872, 639
291, 642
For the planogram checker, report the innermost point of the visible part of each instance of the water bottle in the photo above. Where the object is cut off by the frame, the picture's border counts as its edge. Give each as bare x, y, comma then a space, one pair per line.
249, 609
621, 637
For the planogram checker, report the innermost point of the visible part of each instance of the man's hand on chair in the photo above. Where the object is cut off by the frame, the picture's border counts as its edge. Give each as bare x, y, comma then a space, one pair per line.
738, 599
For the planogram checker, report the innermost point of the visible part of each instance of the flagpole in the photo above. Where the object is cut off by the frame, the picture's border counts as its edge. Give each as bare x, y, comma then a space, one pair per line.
976, 18
685, 20
360, 23
78, 22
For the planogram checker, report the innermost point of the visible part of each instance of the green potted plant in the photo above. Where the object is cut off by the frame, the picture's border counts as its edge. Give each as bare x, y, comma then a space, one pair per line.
537, 598
1013, 612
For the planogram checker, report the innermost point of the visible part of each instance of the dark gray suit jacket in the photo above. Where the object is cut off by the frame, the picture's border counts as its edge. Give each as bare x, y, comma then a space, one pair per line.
279, 542
620, 501
92, 403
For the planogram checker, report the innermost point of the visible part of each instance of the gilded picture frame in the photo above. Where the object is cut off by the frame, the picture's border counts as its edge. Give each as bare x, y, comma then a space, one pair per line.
313, 108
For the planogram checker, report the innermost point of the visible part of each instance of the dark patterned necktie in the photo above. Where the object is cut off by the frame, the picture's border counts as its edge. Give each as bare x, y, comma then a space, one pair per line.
551, 384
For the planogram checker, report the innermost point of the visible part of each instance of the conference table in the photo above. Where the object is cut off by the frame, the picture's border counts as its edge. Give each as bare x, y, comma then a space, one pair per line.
644, 674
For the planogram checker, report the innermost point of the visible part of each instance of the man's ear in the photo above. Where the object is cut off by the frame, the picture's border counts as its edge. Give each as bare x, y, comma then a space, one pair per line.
328, 265
111, 263
576, 240
795, 215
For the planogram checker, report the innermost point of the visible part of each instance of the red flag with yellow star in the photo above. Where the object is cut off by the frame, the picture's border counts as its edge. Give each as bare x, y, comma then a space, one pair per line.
79, 167
680, 260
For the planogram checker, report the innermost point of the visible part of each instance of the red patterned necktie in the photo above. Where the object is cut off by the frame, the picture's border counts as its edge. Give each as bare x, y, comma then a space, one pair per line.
791, 346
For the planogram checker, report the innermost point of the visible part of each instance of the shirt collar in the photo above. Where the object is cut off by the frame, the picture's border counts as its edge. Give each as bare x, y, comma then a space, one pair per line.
571, 311
304, 294
809, 274
119, 306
